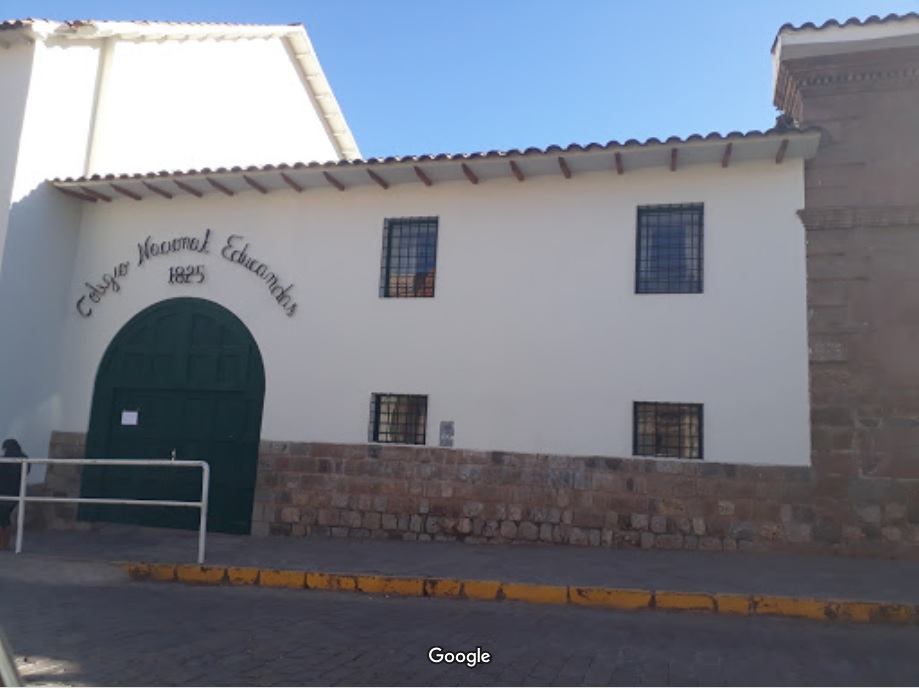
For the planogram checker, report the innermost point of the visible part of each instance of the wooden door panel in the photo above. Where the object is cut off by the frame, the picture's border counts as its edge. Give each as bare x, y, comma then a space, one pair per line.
193, 374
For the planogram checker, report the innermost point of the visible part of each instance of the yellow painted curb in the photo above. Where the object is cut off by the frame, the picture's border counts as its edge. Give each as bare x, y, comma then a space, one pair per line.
285, 579
667, 600
733, 603
481, 590
618, 599
200, 574
331, 582
242, 576
400, 586
163, 572
534, 593
443, 588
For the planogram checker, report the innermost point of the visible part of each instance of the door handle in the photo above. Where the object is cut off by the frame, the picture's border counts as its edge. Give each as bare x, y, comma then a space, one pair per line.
173, 454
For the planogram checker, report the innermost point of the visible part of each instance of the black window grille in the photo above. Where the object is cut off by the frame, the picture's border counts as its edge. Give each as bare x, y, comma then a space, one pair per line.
398, 418
409, 260
669, 249
665, 429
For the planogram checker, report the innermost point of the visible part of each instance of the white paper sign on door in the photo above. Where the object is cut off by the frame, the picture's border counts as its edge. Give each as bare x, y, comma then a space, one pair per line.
129, 418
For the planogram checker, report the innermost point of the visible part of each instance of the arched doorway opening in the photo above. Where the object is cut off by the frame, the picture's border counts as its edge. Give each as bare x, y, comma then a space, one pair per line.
183, 375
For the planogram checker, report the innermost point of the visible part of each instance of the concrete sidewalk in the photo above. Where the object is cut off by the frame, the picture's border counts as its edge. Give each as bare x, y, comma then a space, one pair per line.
801, 576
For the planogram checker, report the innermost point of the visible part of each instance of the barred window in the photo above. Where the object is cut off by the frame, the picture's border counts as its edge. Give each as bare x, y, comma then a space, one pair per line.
669, 249
665, 429
409, 257
398, 418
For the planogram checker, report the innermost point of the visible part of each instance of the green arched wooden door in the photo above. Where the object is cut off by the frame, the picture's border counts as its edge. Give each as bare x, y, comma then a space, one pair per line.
184, 375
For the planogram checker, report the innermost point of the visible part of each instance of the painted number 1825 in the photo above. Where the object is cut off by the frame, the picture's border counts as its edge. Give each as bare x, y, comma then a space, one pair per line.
186, 275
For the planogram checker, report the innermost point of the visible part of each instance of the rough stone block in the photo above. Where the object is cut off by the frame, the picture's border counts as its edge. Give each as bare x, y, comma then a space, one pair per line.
690, 542
853, 534
578, 536
870, 514
589, 519
508, 530
371, 521
698, 526
545, 532
798, 533
351, 518
473, 509
893, 534
339, 532
329, 517
647, 540
710, 543
640, 522
432, 525
725, 508
729, 544
659, 524
894, 513
668, 541
416, 523
389, 522
770, 532
529, 531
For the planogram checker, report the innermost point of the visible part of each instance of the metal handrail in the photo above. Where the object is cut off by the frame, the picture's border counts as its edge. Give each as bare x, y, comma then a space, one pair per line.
201, 505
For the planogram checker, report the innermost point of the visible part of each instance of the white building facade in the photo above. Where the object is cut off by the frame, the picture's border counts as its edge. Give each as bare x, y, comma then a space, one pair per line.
623, 300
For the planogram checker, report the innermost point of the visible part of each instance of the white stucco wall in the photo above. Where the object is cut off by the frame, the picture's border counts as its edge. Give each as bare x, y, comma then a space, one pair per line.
177, 105
55, 96
535, 340
15, 72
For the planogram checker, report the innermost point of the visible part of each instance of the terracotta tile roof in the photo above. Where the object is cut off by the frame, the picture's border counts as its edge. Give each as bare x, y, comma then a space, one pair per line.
675, 153
851, 21
554, 149
28, 22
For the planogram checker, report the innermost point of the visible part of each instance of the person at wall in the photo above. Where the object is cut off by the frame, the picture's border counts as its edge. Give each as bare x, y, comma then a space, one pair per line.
10, 477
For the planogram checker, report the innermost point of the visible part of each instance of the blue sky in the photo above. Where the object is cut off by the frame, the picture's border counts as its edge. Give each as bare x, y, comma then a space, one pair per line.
452, 76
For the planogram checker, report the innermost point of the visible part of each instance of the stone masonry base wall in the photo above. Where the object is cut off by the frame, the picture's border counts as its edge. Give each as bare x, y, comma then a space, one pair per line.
423, 493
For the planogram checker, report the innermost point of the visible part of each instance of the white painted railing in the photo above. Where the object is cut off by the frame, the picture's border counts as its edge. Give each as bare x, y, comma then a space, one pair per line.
22, 498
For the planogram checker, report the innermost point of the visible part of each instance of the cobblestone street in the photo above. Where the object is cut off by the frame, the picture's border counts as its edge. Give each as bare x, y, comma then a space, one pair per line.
101, 629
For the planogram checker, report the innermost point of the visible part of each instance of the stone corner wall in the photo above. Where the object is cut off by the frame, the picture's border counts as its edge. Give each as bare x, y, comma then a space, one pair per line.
62, 481
422, 493
862, 220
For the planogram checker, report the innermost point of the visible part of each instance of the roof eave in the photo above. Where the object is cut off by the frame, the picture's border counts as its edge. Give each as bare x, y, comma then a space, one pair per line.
613, 158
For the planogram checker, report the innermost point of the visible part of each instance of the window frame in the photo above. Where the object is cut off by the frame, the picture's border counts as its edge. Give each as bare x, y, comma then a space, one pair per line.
376, 410
419, 228
659, 408
651, 278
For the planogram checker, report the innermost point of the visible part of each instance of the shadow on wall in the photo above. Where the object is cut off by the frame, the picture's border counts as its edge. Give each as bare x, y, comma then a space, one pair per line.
35, 282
